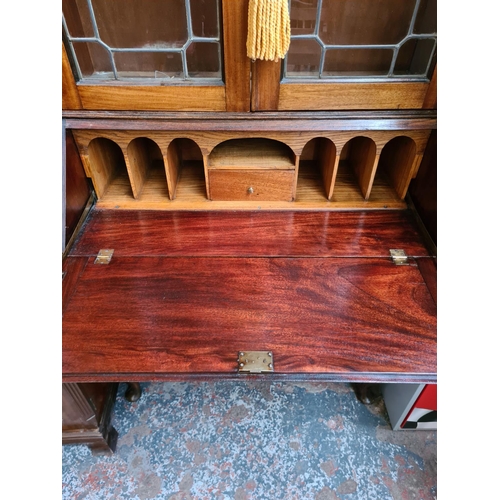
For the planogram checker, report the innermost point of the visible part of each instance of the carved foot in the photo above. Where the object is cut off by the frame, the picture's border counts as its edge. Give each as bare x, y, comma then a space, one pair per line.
367, 394
133, 392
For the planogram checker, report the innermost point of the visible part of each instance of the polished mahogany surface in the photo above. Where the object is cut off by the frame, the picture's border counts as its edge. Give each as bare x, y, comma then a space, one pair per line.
184, 292
240, 234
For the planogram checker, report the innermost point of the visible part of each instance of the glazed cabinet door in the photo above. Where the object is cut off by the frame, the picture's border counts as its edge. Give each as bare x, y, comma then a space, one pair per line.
190, 55
353, 55
159, 55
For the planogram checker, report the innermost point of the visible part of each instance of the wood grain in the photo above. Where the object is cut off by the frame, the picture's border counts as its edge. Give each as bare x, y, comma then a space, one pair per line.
153, 316
265, 85
209, 142
238, 234
138, 163
398, 162
428, 269
191, 194
331, 96
251, 185
363, 160
70, 95
107, 165
208, 139
145, 97
72, 269
329, 162
252, 153
430, 101
173, 167
236, 63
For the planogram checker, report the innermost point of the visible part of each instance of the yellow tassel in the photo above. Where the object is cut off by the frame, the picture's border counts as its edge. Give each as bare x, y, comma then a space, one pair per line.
268, 29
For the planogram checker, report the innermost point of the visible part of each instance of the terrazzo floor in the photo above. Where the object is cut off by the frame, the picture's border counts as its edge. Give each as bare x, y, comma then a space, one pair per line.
253, 440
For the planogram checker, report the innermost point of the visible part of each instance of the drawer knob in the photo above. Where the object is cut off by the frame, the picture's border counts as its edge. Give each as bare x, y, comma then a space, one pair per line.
250, 190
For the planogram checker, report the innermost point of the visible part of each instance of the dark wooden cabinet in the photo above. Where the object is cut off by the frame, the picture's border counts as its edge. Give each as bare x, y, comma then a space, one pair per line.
269, 238
86, 416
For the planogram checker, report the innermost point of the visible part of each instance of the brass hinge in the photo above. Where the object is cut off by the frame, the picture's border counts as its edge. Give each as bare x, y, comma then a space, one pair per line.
104, 256
399, 257
255, 361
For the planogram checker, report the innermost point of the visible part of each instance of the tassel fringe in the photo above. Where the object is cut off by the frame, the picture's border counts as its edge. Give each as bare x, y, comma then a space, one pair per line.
268, 29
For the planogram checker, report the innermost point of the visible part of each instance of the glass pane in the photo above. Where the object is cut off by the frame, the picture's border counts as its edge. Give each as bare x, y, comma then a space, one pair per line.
149, 65
204, 18
132, 23
77, 16
426, 21
303, 17
365, 22
203, 60
413, 57
357, 62
303, 58
360, 38
144, 39
94, 59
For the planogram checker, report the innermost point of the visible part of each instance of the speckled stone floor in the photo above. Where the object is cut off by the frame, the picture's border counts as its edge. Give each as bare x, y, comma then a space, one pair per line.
253, 440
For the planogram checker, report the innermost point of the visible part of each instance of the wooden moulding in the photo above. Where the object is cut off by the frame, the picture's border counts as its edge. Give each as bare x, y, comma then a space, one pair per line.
298, 121
152, 169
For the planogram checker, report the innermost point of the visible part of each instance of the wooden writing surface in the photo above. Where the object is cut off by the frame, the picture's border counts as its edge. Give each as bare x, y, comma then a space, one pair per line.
330, 307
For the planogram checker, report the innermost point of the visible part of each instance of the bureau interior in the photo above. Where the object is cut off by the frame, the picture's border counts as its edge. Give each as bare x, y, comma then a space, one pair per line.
169, 170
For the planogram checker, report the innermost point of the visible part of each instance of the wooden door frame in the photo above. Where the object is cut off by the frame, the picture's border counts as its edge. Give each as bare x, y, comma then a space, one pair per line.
231, 95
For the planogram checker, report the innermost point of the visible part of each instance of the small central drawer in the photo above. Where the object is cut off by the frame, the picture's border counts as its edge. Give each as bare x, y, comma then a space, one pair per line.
251, 170
251, 185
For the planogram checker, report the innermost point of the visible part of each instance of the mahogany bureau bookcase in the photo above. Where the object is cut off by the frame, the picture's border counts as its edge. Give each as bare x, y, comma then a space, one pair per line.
228, 217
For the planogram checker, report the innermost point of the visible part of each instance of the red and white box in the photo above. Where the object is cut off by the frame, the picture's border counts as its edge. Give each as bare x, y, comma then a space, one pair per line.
411, 406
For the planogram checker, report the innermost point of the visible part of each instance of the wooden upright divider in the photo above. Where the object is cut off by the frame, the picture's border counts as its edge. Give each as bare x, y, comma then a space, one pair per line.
398, 162
328, 163
363, 160
173, 166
